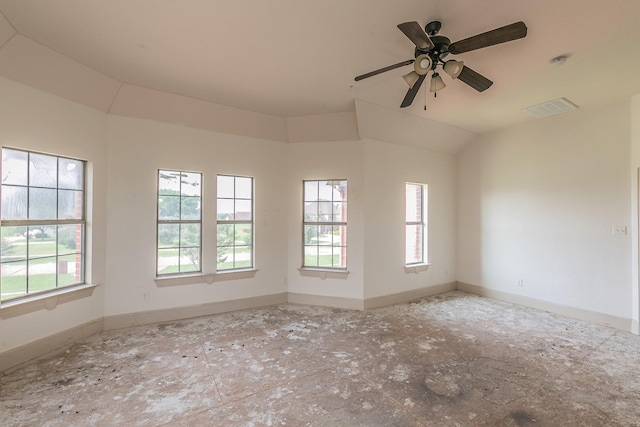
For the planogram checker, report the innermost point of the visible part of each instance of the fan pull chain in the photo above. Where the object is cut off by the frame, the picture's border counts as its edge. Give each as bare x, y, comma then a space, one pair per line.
425, 97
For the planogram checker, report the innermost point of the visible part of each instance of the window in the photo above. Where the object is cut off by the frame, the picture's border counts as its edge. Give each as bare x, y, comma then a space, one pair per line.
325, 224
415, 228
235, 222
43, 223
179, 222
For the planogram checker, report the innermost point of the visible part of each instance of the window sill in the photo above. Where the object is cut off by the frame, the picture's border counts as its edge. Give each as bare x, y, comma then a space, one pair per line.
208, 278
323, 273
45, 300
416, 268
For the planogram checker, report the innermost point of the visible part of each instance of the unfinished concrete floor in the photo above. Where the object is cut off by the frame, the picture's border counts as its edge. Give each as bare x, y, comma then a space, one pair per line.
450, 360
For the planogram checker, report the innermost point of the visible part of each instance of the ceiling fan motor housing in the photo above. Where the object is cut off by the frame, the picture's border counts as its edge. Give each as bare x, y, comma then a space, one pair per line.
438, 52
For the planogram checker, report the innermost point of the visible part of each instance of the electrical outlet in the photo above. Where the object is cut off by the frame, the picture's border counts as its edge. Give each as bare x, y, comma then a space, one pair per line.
520, 283
619, 230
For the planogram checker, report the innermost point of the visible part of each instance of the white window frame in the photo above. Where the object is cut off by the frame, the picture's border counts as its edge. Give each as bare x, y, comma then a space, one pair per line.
412, 220
235, 199
326, 222
180, 222
61, 259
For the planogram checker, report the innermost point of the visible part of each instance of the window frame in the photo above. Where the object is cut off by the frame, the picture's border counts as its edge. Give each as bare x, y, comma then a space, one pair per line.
234, 222
178, 222
343, 223
421, 221
80, 252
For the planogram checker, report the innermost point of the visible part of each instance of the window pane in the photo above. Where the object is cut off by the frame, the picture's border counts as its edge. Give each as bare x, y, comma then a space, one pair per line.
310, 234
311, 212
70, 204
243, 188
339, 235
13, 282
189, 259
168, 235
14, 202
189, 235
325, 256
70, 174
310, 191
14, 244
243, 210
225, 236
168, 182
413, 203
43, 170
340, 211
70, 239
311, 256
190, 208
339, 257
225, 209
168, 261
42, 203
225, 258
168, 207
42, 274
226, 187
190, 184
242, 257
67, 270
414, 244
243, 234
14, 167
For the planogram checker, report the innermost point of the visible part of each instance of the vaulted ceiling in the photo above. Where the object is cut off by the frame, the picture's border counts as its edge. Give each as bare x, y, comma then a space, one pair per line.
294, 58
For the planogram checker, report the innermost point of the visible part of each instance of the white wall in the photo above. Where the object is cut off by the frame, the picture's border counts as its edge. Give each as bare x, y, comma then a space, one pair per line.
137, 149
387, 168
37, 121
327, 160
538, 202
635, 201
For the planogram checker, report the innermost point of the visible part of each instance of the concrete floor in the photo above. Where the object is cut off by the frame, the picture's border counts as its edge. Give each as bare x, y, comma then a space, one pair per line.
451, 360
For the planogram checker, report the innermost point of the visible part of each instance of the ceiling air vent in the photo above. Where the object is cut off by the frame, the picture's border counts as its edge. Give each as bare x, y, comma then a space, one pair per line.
550, 108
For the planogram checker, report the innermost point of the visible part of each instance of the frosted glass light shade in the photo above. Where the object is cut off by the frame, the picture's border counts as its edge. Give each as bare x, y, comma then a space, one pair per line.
411, 78
453, 68
436, 83
422, 65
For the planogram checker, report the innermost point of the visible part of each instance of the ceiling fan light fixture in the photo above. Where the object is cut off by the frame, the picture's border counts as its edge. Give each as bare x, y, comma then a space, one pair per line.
436, 83
453, 68
411, 78
422, 65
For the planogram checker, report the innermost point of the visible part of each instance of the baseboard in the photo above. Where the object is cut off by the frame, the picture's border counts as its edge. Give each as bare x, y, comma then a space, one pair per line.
47, 346
169, 314
620, 323
413, 294
325, 301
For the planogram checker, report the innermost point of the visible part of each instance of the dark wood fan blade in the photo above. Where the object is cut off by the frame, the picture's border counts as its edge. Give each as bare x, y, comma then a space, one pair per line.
411, 93
382, 70
474, 79
500, 35
416, 34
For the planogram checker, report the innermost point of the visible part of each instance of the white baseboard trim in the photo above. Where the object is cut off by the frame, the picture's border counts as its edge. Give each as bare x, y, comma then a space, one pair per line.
48, 346
620, 323
406, 296
165, 315
325, 301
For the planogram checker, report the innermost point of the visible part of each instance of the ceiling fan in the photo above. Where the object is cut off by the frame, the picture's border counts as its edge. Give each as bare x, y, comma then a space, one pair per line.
431, 49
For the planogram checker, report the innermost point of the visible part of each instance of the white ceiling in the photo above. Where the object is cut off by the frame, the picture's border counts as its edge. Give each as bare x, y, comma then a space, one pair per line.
293, 58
